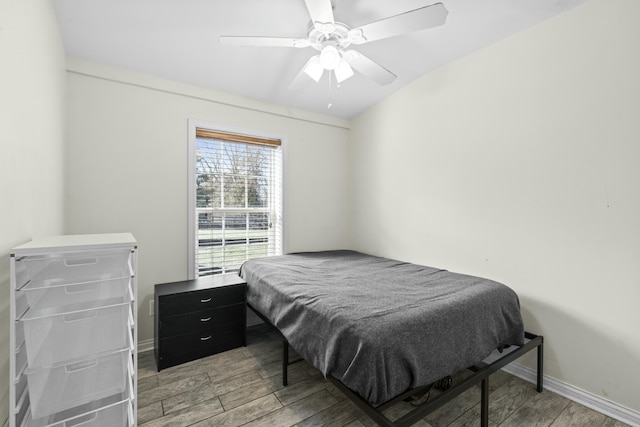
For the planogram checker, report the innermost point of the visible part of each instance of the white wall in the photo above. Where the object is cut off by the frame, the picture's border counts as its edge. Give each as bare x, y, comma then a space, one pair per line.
127, 167
521, 163
32, 82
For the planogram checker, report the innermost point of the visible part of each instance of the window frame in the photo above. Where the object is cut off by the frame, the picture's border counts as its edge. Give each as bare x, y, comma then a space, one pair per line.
192, 222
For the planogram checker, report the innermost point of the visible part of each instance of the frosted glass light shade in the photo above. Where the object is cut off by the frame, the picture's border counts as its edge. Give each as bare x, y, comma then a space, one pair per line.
343, 71
329, 57
314, 69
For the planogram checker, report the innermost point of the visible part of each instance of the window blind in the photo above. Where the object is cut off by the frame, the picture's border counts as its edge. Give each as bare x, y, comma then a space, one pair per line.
238, 200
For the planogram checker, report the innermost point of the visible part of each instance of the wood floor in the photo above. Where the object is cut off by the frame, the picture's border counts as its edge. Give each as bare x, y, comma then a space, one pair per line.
243, 387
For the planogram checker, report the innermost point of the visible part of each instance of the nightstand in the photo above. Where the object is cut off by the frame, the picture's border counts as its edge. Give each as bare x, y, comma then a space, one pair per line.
197, 318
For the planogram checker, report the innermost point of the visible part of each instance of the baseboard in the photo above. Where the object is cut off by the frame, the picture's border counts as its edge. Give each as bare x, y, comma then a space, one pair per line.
145, 345
597, 403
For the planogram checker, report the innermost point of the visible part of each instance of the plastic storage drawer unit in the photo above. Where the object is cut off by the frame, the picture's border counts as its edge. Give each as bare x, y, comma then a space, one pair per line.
72, 352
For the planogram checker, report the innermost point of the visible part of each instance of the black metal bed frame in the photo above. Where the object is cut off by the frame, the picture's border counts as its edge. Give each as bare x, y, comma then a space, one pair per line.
481, 373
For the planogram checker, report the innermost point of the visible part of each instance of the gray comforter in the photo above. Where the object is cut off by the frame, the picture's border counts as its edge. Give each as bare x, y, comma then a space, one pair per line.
378, 325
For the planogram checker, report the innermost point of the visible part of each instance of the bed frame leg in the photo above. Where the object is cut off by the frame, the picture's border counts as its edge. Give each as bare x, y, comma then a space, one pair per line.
484, 403
285, 362
540, 378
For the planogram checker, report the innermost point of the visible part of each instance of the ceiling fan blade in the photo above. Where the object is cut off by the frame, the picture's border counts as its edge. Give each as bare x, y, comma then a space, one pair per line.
372, 70
321, 13
417, 19
263, 41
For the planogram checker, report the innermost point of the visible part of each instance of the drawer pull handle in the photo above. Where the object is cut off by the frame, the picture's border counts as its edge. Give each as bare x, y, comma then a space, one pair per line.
79, 289
80, 366
205, 300
80, 262
78, 317
205, 320
205, 338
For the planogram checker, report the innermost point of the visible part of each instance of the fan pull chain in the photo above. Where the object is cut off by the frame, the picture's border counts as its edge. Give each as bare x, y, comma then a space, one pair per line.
330, 90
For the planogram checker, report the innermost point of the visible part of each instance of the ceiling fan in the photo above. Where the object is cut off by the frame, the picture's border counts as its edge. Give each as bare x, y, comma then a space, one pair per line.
332, 39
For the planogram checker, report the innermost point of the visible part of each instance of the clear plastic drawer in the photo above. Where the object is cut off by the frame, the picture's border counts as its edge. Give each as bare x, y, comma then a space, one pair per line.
70, 268
56, 389
116, 415
113, 416
60, 295
57, 337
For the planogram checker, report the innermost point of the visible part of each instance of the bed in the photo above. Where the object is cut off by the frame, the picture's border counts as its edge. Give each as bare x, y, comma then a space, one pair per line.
381, 328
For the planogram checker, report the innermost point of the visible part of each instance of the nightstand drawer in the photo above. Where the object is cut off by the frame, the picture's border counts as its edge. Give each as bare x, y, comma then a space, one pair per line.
229, 336
202, 342
202, 320
201, 300
185, 323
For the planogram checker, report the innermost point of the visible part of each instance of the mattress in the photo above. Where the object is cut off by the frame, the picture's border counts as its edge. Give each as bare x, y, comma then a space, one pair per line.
381, 326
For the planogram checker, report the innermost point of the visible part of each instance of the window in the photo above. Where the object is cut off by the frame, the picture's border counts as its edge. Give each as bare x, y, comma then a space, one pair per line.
236, 199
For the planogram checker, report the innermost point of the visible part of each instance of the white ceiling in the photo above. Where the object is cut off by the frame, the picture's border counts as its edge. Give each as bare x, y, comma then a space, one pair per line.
178, 39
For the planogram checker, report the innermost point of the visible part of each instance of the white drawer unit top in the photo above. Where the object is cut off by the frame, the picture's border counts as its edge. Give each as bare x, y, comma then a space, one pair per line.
80, 242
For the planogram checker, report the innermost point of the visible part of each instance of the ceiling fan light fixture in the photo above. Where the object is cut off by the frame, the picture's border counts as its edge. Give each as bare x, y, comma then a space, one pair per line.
314, 69
343, 71
329, 57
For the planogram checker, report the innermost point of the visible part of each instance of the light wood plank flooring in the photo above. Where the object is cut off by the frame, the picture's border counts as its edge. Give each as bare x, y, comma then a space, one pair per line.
243, 387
